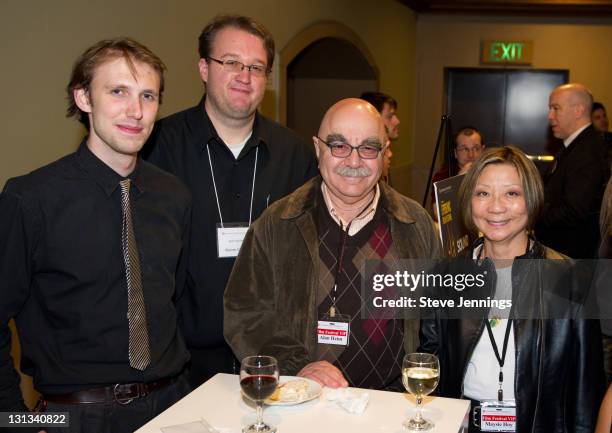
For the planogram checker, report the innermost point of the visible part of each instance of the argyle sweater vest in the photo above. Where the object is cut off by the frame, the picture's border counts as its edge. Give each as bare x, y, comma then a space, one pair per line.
373, 357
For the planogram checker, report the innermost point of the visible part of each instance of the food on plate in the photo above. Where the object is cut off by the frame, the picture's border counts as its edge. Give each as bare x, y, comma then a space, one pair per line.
293, 390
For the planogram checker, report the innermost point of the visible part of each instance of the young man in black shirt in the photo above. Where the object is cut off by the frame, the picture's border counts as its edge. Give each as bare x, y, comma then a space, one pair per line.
90, 261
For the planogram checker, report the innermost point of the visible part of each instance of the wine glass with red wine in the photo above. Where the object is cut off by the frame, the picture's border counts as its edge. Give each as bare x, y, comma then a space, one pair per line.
258, 380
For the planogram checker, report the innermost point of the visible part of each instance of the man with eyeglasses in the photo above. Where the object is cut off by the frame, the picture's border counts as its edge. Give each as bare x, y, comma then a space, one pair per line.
468, 147
236, 163
298, 278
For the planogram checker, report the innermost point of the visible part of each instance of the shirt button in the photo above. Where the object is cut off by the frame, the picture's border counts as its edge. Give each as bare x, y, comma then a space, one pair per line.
236, 195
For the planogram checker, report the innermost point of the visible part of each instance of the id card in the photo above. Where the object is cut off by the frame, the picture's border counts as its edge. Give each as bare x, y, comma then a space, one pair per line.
334, 330
499, 416
230, 238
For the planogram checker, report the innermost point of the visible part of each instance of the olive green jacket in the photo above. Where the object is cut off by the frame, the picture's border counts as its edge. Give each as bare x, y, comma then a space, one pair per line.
270, 299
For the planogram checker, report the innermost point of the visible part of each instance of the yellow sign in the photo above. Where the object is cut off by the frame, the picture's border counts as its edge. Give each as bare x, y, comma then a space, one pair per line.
447, 213
507, 52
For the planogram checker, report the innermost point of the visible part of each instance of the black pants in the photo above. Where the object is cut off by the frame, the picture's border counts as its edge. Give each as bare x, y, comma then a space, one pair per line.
205, 363
117, 418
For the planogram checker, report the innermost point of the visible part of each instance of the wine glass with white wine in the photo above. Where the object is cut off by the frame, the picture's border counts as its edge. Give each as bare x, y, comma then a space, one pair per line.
420, 373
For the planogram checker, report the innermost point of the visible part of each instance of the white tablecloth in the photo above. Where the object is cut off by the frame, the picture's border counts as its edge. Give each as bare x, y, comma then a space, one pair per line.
219, 402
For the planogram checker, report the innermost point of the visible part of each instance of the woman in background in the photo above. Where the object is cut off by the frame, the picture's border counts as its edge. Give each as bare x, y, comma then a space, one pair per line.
550, 369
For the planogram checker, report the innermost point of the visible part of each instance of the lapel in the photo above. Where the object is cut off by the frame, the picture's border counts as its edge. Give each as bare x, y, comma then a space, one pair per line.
565, 151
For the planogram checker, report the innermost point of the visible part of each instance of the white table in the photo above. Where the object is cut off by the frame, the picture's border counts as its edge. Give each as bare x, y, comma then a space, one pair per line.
219, 402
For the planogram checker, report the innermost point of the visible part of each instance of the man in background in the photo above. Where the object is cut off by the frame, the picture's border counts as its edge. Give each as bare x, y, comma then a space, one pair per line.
574, 186
387, 107
468, 147
599, 117
236, 163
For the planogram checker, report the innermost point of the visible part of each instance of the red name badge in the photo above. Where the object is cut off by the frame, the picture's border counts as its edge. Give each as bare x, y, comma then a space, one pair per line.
330, 332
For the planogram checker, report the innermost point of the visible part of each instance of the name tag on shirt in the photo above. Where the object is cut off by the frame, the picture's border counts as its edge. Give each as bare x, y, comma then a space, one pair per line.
230, 238
499, 416
333, 332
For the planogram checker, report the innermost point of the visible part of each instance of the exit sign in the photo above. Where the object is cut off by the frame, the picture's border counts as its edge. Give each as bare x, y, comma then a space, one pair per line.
507, 52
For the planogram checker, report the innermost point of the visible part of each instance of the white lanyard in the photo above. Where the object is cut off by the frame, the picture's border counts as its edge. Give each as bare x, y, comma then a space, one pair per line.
212, 174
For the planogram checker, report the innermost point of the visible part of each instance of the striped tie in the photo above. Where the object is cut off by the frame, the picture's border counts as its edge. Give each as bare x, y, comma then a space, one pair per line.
139, 354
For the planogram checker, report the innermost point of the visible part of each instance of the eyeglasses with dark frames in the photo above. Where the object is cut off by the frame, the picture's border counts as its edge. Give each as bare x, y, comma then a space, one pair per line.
475, 149
344, 150
231, 65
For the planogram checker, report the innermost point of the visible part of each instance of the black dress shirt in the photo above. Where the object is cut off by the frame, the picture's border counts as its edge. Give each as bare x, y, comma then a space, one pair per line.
179, 144
63, 275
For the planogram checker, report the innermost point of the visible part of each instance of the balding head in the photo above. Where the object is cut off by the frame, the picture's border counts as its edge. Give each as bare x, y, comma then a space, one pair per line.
569, 109
578, 94
351, 122
349, 110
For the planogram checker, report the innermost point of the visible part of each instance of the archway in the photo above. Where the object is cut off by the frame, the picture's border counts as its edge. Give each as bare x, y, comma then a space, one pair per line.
322, 64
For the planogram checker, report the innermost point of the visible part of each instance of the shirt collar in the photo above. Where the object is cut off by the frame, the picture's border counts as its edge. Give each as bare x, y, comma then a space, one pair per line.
572, 137
102, 174
205, 132
364, 217
306, 198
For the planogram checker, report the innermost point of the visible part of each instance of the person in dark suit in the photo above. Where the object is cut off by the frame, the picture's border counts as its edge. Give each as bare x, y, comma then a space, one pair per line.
574, 185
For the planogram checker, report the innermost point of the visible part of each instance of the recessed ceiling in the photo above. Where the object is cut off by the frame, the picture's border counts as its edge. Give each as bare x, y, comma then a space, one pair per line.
513, 7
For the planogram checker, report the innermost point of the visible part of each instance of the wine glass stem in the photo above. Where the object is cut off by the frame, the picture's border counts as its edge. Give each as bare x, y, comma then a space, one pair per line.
418, 416
259, 413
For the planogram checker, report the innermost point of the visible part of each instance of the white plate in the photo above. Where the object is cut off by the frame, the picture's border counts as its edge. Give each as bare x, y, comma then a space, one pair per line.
314, 390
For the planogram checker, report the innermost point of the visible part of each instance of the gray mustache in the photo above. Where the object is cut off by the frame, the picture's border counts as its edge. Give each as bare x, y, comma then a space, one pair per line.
353, 172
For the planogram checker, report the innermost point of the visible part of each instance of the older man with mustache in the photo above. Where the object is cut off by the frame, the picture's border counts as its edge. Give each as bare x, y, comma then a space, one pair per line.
298, 276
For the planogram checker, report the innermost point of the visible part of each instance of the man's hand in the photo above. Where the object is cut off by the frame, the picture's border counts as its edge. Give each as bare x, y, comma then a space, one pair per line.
465, 168
324, 373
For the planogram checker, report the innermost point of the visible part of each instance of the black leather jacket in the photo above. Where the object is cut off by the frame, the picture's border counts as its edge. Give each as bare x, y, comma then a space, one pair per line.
558, 382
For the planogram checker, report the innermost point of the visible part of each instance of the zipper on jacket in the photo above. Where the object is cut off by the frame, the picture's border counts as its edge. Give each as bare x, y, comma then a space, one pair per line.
541, 329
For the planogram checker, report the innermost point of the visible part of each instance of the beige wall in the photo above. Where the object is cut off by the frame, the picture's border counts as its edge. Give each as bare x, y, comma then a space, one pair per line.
40, 41
583, 47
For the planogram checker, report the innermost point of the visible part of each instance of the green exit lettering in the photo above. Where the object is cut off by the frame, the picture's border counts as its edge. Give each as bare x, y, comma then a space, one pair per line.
506, 51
